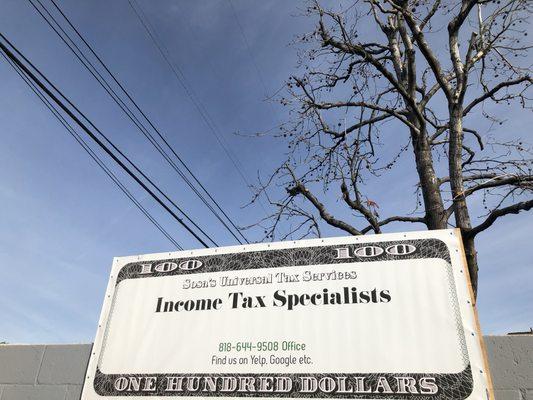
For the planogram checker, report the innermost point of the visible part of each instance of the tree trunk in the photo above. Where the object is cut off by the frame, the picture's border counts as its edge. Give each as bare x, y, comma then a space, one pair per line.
435, 213
460, 207
471, 260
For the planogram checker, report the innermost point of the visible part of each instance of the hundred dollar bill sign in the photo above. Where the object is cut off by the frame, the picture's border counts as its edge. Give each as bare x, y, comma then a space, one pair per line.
376, 317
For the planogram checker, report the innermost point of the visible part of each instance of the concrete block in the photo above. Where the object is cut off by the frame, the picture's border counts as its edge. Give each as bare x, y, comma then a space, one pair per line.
64, 364
20, 363
73, 392
29, 392
507, 394
511, 361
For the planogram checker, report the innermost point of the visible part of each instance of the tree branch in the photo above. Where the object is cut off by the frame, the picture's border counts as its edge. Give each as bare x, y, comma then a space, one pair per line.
386, 221
356, 205
430, 57
351, 48
390, 111
494, 90
299, 188
514, 180
494, 215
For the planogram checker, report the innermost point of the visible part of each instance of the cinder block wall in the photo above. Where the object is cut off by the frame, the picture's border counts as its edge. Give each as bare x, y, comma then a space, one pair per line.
56, 372
511, 364
43, 372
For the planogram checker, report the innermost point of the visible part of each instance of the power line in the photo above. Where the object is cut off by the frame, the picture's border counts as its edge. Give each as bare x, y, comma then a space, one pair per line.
180, 76
178, 73
249, 49
65, 109
90, 151
161, 136
101, 80
256, 67
129, 113
106, 139
254, 61
182, 80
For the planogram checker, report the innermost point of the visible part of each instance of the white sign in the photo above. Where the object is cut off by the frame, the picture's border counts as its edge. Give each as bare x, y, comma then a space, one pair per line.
375, 317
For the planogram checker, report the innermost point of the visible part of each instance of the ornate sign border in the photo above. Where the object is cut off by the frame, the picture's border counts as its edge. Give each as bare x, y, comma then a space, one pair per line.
455, 386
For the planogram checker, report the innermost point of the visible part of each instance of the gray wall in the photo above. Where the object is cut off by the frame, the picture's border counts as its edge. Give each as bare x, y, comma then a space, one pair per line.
511, 365
56, 372
43, 372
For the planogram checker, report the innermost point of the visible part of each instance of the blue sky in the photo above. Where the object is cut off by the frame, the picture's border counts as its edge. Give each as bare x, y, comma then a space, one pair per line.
62, 219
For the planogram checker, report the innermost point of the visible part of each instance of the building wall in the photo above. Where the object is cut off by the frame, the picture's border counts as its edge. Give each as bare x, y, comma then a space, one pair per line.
56, 372
511, 364
42, 372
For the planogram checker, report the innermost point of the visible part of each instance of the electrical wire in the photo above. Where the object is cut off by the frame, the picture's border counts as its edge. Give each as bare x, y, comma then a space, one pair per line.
70, 113
127, 110
182, 80
148, 120
249, 49
101, 80
178, 73
180, 77
104, 137
90, 152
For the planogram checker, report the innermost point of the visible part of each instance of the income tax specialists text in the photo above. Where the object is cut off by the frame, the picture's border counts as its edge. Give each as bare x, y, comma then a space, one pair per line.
280, 298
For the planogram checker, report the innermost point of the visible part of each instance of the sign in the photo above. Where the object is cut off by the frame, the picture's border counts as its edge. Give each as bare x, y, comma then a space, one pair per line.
373, 317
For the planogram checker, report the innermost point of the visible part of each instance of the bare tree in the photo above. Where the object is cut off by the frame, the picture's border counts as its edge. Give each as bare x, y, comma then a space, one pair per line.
386, 78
